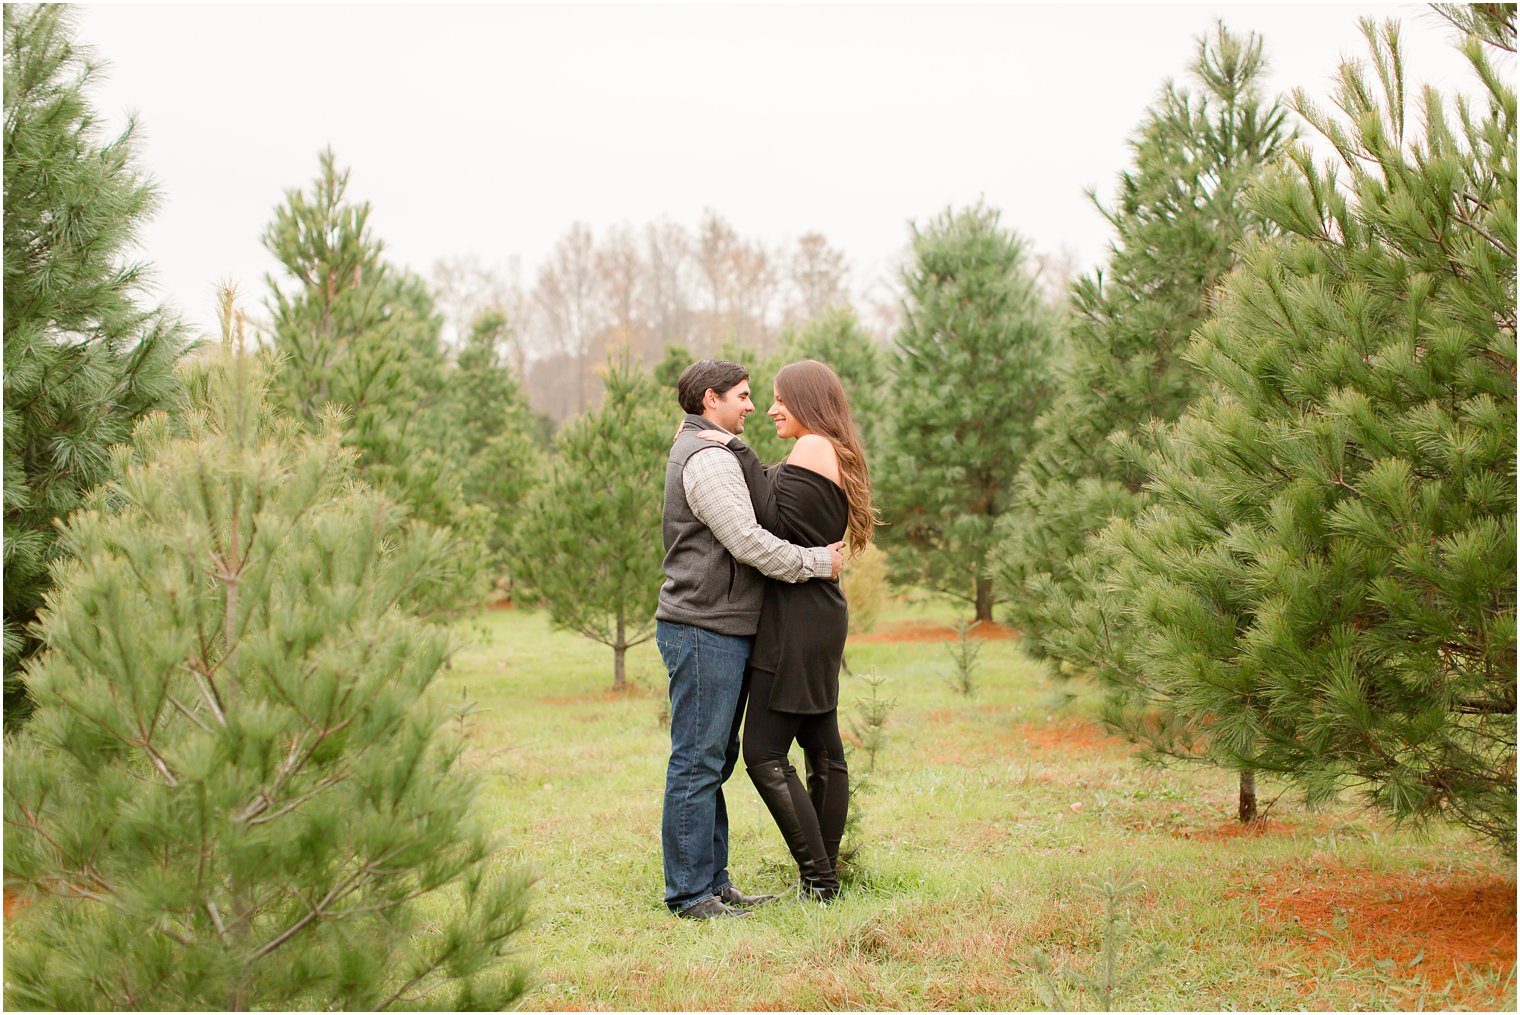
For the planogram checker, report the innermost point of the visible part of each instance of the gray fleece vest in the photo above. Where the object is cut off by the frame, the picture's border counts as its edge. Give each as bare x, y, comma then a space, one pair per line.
704, 585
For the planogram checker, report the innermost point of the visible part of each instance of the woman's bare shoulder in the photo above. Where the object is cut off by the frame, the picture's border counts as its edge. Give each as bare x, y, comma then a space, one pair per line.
817, 453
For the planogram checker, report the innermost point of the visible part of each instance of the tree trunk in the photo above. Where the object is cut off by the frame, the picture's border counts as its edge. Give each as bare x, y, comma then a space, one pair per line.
619, 649
1247, 812
983, 598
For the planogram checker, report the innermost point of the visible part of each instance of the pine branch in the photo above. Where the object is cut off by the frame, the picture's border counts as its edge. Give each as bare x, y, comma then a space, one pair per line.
295, 760
1471, 223
327, 783
153, 756
176, 938
216, 919
188, 714
338, 892
1485, 706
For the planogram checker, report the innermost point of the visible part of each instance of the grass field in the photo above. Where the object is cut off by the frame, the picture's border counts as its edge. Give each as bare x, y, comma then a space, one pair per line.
986, 832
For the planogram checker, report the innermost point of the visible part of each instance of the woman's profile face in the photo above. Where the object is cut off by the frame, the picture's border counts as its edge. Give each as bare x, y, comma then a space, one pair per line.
787, 428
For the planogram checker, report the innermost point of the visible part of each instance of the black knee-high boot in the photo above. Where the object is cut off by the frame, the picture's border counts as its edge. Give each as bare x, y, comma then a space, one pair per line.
833, 806
782, 791
829, 790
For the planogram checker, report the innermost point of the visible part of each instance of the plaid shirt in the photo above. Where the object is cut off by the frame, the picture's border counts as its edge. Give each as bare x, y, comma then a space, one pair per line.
719, 498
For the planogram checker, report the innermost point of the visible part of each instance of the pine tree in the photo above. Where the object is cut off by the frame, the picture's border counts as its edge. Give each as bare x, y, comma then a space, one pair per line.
836, 337
589, 544
1324, 585
1178, 220
759, 432
972, 374
84, 356
356, 333
235, 792
675, 358
493, 436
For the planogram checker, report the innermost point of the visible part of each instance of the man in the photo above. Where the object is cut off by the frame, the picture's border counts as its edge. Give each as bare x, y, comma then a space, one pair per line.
708, 613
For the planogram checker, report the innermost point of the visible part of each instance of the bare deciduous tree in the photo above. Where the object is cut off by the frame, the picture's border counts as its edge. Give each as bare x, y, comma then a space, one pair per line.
622, 275
755, 286
716, 243
817, 273
465, 287
1057, 271
667, 307
567, 299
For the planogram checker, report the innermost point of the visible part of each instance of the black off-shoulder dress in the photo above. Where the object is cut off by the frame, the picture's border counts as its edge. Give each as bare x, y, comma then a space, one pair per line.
803, 625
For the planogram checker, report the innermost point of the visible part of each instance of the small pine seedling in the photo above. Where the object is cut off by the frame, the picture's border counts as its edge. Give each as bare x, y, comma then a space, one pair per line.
1066, 988
963, 652
873, 712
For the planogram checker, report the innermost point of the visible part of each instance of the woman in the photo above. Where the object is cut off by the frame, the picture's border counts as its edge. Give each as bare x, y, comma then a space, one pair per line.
822, 489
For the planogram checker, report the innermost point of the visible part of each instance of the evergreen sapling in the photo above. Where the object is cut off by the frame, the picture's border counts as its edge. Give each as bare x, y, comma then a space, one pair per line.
236, 792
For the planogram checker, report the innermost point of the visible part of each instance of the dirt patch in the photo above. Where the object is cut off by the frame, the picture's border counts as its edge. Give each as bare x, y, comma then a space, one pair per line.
1064, 736
911, 631
944, 715
1042, 741
1425, 924
601, 698
1236, 830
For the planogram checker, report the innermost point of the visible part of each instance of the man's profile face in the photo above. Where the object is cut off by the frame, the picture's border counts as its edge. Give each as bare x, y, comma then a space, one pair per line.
729, 409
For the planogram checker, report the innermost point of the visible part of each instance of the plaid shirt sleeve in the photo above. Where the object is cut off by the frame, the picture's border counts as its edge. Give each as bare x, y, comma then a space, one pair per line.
718, 497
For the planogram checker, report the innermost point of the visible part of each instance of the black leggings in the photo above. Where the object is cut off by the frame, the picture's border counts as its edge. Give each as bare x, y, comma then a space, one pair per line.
768, 736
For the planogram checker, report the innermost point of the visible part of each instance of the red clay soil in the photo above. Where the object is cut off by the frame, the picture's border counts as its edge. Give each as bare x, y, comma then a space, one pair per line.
922, 630
1235, 830
1040, 740
631, 690
1063, 736
1368, 915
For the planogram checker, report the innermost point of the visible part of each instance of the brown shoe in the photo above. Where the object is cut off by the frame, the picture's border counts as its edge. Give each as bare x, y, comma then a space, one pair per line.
710, 908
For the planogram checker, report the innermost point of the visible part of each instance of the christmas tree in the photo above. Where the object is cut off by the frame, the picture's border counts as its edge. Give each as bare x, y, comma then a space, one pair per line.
85, 356
1178, 218
590, 545
360, 335
493, 438
235, 792
1324, 585
973, 372
836, 337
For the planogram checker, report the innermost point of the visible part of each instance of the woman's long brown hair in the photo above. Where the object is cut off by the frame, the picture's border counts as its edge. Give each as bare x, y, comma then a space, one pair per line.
814, 397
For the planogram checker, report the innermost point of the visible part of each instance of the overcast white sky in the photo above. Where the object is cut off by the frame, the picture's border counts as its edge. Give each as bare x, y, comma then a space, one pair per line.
489, 129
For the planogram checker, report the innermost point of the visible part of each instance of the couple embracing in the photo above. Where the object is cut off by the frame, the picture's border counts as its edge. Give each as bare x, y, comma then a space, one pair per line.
751, 612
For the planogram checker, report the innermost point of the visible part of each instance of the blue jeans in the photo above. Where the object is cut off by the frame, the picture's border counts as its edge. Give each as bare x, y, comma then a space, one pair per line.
706, 701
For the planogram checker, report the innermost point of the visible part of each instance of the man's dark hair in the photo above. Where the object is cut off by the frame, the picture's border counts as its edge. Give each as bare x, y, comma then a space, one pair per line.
718, 374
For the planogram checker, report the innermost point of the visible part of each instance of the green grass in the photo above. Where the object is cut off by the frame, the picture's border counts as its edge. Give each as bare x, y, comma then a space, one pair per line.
987, 824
